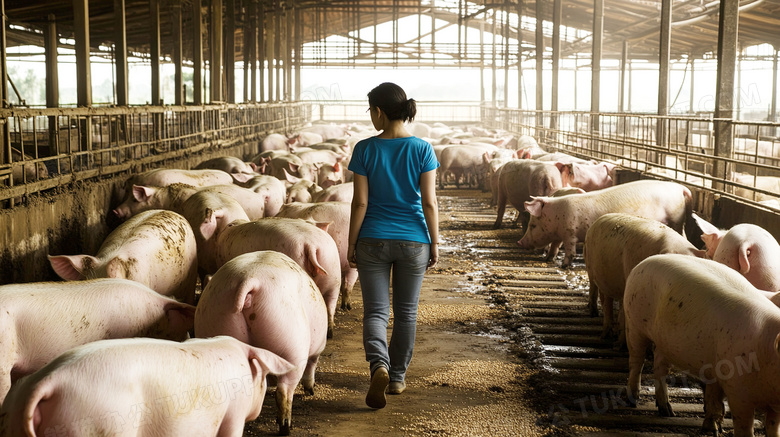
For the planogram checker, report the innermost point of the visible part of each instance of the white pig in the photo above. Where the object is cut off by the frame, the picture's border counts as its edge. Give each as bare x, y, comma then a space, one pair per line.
161, 177
308, 245
614, 244
567, 219
41, 320
337, 214
747, 248
709, 321
228, 164
145, 387
266, 300
156, 248
521, 179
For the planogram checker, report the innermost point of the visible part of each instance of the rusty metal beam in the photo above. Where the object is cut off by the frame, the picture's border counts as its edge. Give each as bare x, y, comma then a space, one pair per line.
728, 22
52, 80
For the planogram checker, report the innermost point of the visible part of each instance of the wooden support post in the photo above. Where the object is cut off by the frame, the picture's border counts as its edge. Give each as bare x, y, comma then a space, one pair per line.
51, 40
230, 51
120, 52
728, 22
663, 73
197, 53
178, 58
154, 52
215, 47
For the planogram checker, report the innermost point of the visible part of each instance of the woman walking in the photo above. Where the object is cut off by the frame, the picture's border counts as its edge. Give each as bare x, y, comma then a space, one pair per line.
393, 233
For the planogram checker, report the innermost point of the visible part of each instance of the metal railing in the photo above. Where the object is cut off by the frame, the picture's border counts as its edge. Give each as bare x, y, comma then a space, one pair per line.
342, 111
678, 148
46, 148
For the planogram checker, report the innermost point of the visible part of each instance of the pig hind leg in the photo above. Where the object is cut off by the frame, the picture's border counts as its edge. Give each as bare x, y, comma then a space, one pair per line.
714, 410
347, 284
660, 371
637, 349
285, 388
607, 304
308, 375
772, 422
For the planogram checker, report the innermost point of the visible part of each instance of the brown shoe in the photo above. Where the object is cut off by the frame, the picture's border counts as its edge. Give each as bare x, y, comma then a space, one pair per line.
376, 392
396, 387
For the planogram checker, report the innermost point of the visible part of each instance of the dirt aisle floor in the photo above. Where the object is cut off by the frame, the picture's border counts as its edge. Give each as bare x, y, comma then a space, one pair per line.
464, 379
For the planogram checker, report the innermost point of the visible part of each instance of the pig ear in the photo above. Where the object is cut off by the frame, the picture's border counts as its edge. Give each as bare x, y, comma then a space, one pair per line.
295, 168
209, 225
705, 226
486, 157
264, 362
337, 167
290, 178
744, 259
323, 225
115, 268
699, 253
141, 193
180, 314
71, 267
252, 165
535, 206
241, 177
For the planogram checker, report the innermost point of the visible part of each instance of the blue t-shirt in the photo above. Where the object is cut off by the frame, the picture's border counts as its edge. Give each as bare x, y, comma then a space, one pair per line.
393, 168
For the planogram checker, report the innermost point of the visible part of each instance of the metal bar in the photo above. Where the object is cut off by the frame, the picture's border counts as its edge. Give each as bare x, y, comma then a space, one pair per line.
247, 46
493, 61
52, 80
505, 11
288, 55
622, 86
261, 49
252, 41
539, 64
178, 57
728, 21
197, 53
773, 106
556, 61
663, 69
278, 50
271, 38
215, 48
154, 50
83, 73
5, 130
520, 54
693, 88
598, 38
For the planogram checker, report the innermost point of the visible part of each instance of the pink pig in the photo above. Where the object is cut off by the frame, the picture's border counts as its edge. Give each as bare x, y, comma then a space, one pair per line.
156, 248
337, 214
311, 247
42, 320
589, 176
747, 248
518, 181
614, 244
709, 321
266, 300
567, 219
144, 387
162, 177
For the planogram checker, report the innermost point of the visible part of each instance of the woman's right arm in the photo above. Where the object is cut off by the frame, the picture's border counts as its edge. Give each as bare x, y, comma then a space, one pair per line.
431, 212
357, 214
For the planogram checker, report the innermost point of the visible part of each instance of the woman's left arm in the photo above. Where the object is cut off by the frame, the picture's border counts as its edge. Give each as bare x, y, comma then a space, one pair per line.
431, 212
357, 214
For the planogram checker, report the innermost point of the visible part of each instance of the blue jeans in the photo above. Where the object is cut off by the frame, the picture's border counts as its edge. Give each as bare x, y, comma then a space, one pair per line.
407, 260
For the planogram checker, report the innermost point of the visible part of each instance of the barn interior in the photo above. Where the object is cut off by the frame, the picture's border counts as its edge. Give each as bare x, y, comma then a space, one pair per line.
184, 80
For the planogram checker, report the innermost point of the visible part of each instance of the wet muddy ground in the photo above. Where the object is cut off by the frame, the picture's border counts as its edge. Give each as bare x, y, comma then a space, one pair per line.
505, 347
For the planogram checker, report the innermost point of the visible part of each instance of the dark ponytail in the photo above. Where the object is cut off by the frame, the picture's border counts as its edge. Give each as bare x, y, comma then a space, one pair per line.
391, 99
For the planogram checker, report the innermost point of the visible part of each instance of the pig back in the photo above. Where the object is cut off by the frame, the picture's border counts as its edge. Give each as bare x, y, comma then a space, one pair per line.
699, 312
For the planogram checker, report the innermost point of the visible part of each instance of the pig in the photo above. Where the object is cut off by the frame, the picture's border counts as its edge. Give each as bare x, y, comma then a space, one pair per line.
588, 176
144, 386
301, 190
228, 164
304, 139
614, 244
27, 172
156, 248
308, 245
337, 214
277, 166
518, 181
747, 248
271, 188
173, 196
494, 164
766, 183
463, 160
41, 320
162, 177
327, 131
329, 175
266, 300
567, 219
335, 193
709, 321
274, 142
